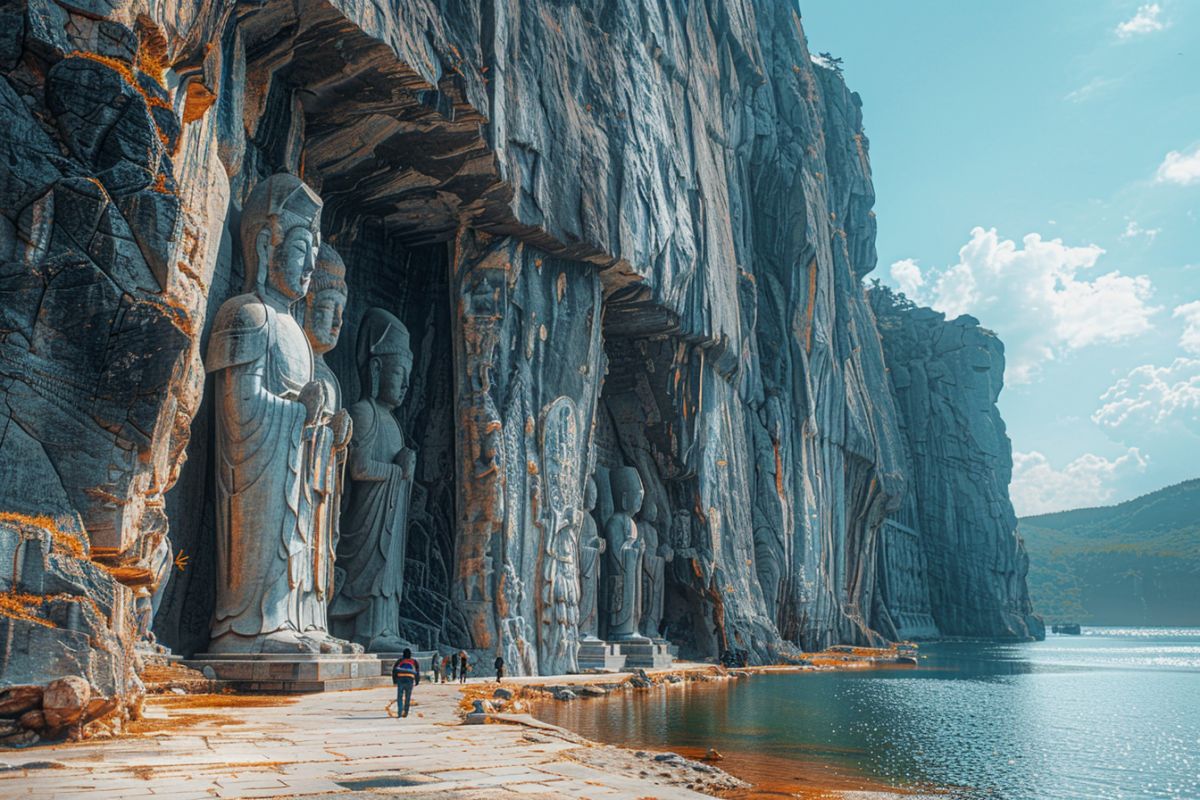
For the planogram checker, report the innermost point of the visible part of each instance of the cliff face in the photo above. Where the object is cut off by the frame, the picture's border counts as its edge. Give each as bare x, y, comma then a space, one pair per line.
620, 235
947, 375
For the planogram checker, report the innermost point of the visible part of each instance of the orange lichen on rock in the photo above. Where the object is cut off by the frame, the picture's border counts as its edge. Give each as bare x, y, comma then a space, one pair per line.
63, 541
27, 607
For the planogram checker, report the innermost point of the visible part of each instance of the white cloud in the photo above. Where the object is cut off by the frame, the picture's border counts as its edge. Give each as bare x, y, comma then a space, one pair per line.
1034, 297
1089, 90
907, 275
1181, 168
1154, 400
1133, 230
1190, 314
1146, 20
1039, 488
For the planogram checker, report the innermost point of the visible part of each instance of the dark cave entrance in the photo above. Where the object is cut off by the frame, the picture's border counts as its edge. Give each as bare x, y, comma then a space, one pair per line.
644, 421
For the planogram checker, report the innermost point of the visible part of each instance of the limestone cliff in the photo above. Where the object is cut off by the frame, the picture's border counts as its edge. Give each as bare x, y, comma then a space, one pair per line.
621, 234
947, 375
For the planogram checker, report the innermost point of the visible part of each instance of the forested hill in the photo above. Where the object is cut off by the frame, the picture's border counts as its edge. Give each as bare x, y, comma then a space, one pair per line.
1136, 563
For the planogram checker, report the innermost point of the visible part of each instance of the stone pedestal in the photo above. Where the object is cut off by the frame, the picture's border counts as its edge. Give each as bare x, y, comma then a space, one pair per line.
647, 654
288, 673
597, 654
424, 659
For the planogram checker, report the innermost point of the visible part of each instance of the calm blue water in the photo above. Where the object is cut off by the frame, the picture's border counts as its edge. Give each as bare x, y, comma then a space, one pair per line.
1114, 713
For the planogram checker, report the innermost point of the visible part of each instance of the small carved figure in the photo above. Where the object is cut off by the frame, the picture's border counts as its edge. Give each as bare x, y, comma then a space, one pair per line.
591, 546
654, 563
371, 547
559, 634
266, 402
624, 556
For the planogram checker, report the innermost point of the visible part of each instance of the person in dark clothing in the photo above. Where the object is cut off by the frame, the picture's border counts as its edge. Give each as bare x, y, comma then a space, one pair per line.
499, 668
450, 667
462, 666
406, 674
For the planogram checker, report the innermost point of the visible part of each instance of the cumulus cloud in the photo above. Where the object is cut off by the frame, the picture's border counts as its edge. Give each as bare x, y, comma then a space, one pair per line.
1190, 314
1154, 400
1134, 230
1039, 488
1035, 296
1180, 168
1146, 20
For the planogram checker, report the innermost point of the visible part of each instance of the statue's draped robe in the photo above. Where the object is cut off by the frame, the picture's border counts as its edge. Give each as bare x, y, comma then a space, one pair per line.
262, 563
623, 556
323, 481
654, 575
589, 575
372, 541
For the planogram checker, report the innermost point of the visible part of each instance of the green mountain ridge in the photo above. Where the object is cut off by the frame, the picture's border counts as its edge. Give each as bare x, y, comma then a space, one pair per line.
1134, 563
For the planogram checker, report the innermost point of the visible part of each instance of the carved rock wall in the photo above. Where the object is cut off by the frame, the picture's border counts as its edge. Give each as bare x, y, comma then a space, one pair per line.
620, 233
947, 375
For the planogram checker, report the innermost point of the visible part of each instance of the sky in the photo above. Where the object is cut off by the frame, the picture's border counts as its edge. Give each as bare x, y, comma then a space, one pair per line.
1037, 165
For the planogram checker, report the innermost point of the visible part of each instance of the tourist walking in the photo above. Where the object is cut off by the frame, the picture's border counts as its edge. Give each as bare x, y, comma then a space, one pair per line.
499, 668
462, 666
450, 667
406, 674
437, 669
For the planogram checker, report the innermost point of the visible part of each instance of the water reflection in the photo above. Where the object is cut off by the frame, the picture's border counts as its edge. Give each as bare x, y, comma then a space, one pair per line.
1108, 715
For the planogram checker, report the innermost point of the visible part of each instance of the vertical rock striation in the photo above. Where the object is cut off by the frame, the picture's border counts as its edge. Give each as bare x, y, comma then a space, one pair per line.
620, 235
947, 375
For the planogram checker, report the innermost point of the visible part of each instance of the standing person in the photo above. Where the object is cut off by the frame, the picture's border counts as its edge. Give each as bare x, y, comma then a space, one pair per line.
406, 674
450, 668
499, 668
462, 666
437, 669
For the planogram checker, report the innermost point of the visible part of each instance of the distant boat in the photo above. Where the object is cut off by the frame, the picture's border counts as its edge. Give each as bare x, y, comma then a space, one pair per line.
1070, 628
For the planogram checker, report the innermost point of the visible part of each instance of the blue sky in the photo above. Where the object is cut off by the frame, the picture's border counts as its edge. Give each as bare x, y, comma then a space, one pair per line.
1037, 164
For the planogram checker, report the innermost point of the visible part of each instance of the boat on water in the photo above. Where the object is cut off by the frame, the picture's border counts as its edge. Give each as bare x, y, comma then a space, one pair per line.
1069, 628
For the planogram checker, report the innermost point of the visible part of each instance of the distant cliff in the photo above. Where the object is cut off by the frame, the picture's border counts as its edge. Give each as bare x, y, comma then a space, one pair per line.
947, 375
1134, 563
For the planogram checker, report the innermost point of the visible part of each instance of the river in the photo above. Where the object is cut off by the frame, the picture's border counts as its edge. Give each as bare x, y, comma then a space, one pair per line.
1113, 713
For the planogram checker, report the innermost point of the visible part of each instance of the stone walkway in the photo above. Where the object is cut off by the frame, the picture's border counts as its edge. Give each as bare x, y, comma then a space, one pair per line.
336, 743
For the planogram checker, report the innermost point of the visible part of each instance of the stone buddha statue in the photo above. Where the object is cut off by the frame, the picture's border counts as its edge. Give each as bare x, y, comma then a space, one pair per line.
654, 563
591, 546
321, 315
267, 404
623, 556
371, 547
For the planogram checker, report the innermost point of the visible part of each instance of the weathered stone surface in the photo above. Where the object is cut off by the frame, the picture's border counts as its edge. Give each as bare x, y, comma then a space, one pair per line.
625, 240
947, 376
65, 701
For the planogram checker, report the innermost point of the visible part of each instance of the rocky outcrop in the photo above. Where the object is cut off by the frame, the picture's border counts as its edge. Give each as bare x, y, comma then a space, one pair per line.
947, 376
626, 235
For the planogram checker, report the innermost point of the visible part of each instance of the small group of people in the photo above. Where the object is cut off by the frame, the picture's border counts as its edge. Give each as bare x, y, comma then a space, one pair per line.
406, 674
453, 667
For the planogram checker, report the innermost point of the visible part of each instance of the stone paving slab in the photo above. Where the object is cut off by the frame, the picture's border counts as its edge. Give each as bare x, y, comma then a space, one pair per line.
338, 744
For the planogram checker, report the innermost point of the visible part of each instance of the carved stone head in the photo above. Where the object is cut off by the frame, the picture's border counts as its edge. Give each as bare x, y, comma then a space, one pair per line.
627, 490
649, 509
281, 233
326, 301
384, 357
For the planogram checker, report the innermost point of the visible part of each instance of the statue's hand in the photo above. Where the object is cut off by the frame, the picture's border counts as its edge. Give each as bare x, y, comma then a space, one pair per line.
406, 459
343, 428
315, 398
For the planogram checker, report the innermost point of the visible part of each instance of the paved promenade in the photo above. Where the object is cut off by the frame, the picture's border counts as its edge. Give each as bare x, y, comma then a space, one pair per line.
339, 743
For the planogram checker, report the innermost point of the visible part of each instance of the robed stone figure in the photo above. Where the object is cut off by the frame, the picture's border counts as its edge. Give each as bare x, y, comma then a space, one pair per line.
267, 404
370, 563
654, 562
326, 444
591, 546
623, 556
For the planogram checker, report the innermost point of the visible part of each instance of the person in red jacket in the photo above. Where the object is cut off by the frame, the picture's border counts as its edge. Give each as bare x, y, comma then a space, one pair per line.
406, 674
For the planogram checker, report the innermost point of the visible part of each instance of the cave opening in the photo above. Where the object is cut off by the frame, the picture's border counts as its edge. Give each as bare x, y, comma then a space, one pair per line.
647, 407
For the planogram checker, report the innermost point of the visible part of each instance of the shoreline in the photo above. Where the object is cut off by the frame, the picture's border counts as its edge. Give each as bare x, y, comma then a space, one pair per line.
199, 746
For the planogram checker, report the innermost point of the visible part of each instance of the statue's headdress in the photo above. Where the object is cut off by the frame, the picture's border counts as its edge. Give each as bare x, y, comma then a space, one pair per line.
280, 194
380, 333
330, 273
